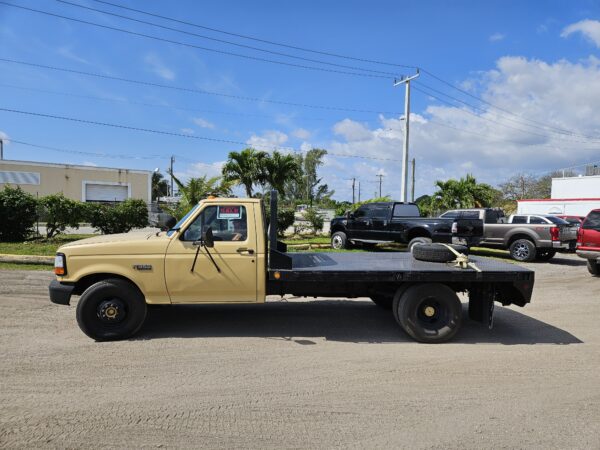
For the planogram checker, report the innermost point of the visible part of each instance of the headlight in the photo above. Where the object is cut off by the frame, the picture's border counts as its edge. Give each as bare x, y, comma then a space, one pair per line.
60, 264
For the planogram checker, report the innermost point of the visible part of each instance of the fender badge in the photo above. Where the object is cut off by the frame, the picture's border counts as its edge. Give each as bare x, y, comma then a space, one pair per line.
142, 267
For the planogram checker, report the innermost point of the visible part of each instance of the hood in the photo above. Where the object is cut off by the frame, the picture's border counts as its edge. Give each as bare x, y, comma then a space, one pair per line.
124, 243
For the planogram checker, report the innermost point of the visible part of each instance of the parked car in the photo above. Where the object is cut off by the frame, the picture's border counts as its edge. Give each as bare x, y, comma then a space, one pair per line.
526, 236
374, 223
588, 241
573, 220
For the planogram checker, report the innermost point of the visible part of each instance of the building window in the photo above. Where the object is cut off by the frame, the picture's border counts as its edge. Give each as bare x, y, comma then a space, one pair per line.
19, 177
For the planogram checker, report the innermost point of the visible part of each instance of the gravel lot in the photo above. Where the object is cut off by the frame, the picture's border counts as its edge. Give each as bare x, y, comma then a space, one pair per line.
297, 374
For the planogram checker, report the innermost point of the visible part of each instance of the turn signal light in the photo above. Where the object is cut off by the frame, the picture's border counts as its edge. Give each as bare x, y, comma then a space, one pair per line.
60, 264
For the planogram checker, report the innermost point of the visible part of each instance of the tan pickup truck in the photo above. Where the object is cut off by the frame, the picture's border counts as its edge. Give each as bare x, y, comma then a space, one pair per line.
220, 253
526, 236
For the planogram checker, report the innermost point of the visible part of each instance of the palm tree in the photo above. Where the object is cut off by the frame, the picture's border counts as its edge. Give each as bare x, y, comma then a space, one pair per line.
245, 168
160, 187
196, 189
463, 193
277, 169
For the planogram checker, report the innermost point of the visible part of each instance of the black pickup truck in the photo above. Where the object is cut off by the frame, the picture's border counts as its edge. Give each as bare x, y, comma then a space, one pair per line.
375, 223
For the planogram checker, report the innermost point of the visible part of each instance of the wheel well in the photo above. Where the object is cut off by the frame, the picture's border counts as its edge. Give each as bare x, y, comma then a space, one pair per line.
418, 232
516, 237
337, 228
85, 282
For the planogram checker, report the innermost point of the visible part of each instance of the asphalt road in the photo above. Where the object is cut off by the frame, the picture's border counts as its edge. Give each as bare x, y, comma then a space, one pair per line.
297, 374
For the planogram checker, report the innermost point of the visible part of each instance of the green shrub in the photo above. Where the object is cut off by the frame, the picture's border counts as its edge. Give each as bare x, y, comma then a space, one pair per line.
18, 212
315, 220
285, 219
60, 212
120, 218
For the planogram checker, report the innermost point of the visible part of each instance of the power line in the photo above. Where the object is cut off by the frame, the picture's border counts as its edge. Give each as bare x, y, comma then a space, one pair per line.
264, 41
337, 55
198, 47
178, 30
156, 105
477, 108
194, 90
466, 111
170, 133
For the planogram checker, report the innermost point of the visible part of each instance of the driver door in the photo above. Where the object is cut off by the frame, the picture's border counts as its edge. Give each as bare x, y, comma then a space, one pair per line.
234, 253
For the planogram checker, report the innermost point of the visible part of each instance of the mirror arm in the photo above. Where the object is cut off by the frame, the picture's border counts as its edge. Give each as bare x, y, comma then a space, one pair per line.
211, 259
195, 258
199, 244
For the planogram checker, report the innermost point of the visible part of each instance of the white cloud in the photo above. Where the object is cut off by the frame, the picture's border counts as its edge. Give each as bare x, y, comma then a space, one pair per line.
589, 28
158, 67
269, 140
301, 133
89, 163
497, 37
187, 131
68, 53
200, 169
202, 123
449, 142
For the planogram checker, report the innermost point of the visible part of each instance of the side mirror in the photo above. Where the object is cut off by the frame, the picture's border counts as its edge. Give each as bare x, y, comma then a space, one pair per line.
166, 221
207, 238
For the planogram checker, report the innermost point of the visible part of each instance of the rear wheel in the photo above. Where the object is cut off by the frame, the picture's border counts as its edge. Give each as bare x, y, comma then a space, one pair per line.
339, 240
593, 267
429, 313
523, 250
418, 241
546, 255
110, 310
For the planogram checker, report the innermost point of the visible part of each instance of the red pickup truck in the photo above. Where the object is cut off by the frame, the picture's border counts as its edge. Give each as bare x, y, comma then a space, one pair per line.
588, 241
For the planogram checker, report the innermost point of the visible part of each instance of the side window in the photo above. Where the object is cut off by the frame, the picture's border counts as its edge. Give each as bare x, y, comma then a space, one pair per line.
450, 215
592, 222
361, 212
519, 219
491, 216
537, 220
379, 212
469, 215
228, 223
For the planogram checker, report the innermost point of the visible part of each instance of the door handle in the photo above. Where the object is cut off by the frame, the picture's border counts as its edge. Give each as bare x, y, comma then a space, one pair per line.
245, 250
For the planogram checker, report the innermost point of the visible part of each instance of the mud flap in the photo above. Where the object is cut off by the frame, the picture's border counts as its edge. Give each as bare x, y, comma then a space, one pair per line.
481, 305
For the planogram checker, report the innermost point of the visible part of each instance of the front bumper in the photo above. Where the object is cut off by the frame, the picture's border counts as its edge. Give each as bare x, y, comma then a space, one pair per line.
589, 254
60, 293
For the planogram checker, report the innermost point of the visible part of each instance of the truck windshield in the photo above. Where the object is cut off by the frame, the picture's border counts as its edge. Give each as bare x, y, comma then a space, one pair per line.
182, 220
592, 222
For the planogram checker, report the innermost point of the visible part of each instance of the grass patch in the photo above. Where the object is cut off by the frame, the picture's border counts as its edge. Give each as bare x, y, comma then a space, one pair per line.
307, 240
13, 266
40, 246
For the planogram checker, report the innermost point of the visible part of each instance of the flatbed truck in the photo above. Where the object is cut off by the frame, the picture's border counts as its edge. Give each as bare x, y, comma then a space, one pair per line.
221, 252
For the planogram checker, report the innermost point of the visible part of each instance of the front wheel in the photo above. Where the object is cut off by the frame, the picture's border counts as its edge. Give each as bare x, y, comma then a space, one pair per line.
523, 250
110, 310
339, 240
593, 267
429, 313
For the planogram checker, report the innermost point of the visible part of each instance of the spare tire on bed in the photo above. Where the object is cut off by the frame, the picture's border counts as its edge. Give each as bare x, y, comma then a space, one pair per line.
437, 252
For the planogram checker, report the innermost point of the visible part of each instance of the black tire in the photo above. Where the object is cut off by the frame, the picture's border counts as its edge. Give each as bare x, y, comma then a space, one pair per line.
111, 309
437, 252
417, 241
523, 250
593, 267
383, 301
546, 255
429, 313
339, 240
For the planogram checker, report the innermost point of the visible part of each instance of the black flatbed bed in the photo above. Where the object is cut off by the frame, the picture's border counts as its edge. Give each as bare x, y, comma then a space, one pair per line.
360, 274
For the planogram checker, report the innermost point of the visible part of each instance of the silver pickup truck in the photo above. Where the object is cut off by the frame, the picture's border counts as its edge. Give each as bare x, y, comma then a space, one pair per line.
526, 236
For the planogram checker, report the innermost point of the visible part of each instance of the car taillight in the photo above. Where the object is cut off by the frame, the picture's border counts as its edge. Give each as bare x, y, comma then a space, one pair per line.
60, 264
554, 233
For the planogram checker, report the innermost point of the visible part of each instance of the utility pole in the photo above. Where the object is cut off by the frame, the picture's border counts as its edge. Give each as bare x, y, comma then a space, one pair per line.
380, 180
404, 178
1, 149
171, 173
353, 183
359, 192
412, 189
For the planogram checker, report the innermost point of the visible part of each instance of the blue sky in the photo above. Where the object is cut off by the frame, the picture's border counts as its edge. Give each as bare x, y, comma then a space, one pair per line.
535, 65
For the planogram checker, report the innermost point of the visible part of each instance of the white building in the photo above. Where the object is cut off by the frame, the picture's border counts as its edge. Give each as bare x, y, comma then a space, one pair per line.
572, 196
